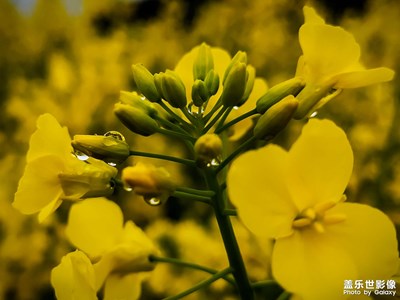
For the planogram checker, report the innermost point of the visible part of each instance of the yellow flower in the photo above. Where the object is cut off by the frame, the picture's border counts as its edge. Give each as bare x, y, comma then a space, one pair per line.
221, 59
74, 278
95, 226
296, 197
330, 60
54, 174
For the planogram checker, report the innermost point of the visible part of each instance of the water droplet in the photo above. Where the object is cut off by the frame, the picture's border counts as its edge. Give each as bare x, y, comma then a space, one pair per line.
115, 134
196, 111
112, 164
127, 188
213, 163
315, 113
80, 155
152, 201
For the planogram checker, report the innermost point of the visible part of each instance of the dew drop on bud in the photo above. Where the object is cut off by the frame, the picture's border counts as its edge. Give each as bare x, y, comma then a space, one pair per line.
80, 155
127, 188
152, 201
115, 134
213, 163
196, 111
314, 114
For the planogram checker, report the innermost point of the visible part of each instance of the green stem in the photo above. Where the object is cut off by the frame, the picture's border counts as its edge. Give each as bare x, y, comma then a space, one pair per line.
284, 296
214, 120
167, 124
263, 283
178, 262
231, 156
176, 134
222, 120
183, 195
229, 239
217, 105
205, 193
187, 162
185, 124
201, 284
236, 120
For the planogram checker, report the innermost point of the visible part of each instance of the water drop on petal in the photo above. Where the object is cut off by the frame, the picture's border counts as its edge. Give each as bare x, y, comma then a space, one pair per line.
213, 163
196, 111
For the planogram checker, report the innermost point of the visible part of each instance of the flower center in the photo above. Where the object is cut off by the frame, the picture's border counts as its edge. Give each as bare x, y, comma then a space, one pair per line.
318, 216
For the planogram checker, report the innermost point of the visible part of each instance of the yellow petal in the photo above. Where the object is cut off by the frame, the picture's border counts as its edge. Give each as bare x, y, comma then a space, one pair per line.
363, 78
95, 225
128, 287
311, 16
320, 163
327, 50
369, 237
73, 278
312, 265
39, 186
256, 186
49, 138
49, 209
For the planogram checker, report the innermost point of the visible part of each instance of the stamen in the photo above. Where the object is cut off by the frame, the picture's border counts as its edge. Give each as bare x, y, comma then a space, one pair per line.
324, 206
319, 227
303, 222
334, 218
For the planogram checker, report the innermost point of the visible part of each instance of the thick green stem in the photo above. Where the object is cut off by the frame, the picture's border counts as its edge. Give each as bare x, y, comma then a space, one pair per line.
201, 284
178, 262
228, 236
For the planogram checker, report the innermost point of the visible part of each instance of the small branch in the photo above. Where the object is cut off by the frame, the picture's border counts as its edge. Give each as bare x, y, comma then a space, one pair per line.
185, 264
263, 283
187, 162
236, 120
201, 284
189, 196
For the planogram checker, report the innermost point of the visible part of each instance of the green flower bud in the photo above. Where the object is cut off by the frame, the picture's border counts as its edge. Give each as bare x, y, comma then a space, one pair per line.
172, 88
311, 97
110, 148
93, 180
135, 119
134, 99
276, 118
212, 82
208, 149
240, 57
145, 82
203, 63
200, 92
234, 85
276, 93
251, 76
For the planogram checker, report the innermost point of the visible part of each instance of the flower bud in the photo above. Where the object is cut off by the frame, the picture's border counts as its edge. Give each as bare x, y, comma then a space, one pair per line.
311, 97
276, 93
200, 92
145, 82
172, 88
234, 85
212, 82
203, 63
110, 149
135, 119
148, 181
276, 118
250, 78
208, 149
240, 57
134, 99
91, 178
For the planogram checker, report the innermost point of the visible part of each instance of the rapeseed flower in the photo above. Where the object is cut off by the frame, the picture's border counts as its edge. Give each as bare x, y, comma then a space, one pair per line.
53, 170
330, 61
296, 197
121, 252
